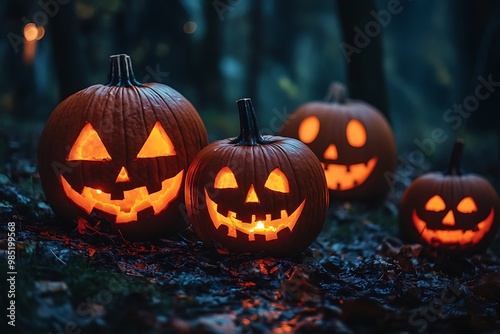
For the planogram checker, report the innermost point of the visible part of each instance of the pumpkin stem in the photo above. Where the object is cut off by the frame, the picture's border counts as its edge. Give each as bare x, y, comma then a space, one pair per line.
456, 157
121, 73
336, 93
249, 130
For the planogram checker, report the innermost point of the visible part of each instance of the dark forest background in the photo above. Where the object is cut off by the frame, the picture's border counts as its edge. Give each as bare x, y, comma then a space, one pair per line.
426, 58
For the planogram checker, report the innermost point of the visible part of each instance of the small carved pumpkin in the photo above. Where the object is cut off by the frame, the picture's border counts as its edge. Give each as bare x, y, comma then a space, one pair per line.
120, 152
256, 193
453, 212
353, 141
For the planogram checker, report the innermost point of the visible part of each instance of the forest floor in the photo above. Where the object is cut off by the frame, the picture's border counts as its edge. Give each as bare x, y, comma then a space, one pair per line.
357, 277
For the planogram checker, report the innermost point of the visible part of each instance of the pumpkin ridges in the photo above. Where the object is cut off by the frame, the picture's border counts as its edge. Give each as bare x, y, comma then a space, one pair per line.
99, 104
333, 118
452, 189
227, 153
302, 208
185, 107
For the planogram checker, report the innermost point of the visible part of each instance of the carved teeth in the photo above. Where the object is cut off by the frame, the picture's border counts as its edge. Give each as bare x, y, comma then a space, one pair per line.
268, 227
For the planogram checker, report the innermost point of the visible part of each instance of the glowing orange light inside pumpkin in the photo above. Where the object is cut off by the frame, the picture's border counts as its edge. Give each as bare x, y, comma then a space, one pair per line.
309, 129
355, 133
225, 179
268, 227
122, 176
467, 205
88, 146
461, 237
133, 201
331, 153
449, 219
338, 177
435, 203
252, 196
158, 144
277, 181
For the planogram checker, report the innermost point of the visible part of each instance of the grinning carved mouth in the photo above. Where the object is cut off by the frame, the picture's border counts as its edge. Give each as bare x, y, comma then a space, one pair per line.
462, 237
343, 177
133, 201
268, 227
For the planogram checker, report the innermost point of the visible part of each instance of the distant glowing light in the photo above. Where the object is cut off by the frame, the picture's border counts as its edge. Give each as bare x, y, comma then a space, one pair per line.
260, 225
33, 33
190, 27
99, 191
30, 32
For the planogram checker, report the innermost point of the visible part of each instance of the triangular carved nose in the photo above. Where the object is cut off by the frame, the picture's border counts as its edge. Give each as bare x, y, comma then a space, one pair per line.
331, 153
252, 196
122, 176
449, 219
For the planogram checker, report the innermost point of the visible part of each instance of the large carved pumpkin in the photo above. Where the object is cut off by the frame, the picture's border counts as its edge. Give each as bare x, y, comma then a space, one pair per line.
120, 152
253, 193
353, 141
452, 212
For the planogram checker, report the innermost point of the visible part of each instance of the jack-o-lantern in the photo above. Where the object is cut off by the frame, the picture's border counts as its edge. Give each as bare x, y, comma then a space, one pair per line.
256, 193
452, 212
120, 152
353, 141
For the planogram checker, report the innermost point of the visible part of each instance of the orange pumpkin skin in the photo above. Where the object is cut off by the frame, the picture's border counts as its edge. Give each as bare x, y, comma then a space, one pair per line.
120, 152
451, 212
353, 141
256, 194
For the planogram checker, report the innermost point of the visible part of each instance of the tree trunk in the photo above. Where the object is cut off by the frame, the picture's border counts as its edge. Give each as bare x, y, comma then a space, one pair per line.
365, 67
70, 64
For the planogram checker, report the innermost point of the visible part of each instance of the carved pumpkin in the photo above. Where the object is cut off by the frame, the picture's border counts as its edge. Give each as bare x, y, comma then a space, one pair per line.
256, 193
120, 152
353, 141
452, 212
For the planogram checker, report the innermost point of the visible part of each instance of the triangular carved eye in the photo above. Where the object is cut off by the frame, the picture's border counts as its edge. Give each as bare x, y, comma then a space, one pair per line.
467, 205
158, 144
435, 203
225, 179
88, 146
277, 181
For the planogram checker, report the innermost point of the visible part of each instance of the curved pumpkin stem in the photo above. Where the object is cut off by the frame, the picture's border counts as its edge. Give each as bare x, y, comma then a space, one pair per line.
456, 157
121, 73
336, 93
249, 130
